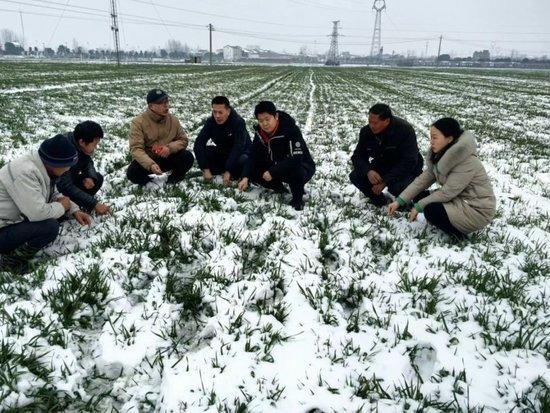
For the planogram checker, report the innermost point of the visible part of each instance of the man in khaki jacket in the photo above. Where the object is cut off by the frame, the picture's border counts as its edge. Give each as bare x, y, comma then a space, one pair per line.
158, 143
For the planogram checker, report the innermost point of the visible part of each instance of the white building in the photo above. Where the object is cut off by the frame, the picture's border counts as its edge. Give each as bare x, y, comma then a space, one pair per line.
232, 53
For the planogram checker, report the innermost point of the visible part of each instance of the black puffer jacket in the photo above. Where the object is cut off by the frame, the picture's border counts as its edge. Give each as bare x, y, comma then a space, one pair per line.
84, 168
286, 143
393, 153
231, 139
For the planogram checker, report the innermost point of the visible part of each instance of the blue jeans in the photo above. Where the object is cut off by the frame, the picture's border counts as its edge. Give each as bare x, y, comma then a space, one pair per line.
35, 235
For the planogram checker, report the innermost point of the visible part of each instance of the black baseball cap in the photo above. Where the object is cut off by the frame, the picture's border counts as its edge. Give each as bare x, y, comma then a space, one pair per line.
156, 96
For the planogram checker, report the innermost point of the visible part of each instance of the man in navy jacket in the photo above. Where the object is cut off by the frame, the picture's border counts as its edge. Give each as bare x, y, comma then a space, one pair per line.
386, 156
278, 154
228, 132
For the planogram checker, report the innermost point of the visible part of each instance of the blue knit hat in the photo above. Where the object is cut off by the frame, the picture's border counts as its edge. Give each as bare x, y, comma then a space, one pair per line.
58, 152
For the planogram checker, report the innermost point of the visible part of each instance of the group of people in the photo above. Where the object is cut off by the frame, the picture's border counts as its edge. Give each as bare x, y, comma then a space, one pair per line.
40, 189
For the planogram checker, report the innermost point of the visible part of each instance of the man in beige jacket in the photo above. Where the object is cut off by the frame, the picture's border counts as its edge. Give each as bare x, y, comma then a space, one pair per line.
158, 143
31, 206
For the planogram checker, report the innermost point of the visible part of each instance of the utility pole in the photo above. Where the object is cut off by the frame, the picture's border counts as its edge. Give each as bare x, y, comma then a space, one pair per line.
333, 56
210, 29
114, 28
439, 48
22, 28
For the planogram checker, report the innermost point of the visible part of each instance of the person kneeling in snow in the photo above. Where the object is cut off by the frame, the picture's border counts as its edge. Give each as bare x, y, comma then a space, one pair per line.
30, 205
228, 131
278, 154
158, 143
465, 202
386, 156
82, 181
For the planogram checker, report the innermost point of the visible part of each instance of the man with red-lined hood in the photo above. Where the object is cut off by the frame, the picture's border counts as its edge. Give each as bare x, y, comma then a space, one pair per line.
278, 154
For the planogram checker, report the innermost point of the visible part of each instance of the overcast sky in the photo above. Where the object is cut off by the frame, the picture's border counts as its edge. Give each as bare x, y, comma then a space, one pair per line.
287, 25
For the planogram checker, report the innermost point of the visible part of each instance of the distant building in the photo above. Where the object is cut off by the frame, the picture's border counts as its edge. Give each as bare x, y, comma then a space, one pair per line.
232, 53
481, 55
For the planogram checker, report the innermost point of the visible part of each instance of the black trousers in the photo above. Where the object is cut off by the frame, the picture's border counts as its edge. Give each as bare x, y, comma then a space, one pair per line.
293, 172
361, 181
179, 163
436, 215
34, 235
216, 161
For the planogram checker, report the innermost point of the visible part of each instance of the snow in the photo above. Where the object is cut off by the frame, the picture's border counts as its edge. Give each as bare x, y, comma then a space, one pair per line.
218, 300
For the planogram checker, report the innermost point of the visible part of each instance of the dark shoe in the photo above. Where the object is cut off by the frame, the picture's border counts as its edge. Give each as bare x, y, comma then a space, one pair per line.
13, 264
17, 261
174, 179
280, 189
381, 200
297, 204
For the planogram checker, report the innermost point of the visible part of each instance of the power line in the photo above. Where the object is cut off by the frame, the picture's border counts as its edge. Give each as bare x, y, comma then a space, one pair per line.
276, 37
58, 21
396, 29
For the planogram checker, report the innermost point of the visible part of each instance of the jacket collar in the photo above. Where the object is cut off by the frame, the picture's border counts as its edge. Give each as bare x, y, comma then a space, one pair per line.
465, 147
154, 117
37, 161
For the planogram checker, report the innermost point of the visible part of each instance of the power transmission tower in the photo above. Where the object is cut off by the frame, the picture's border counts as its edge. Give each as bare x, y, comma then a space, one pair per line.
114, 28
376, 45
333, 57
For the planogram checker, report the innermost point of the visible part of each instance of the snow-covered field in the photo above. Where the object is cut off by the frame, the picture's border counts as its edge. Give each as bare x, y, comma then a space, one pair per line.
200, 298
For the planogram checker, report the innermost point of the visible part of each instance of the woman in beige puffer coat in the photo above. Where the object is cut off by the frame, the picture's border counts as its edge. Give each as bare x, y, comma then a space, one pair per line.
465, 202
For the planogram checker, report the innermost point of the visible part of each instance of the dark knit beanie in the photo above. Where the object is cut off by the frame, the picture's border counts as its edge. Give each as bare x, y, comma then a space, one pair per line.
156, 96
58, 152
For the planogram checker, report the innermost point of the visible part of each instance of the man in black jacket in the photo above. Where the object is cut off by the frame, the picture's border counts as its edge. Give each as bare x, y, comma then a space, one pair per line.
228, 132
278, 154
82, 181
386, 156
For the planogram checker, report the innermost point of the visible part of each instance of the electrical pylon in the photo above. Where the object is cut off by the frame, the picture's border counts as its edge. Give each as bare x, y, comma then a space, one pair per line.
333, 56
376, 45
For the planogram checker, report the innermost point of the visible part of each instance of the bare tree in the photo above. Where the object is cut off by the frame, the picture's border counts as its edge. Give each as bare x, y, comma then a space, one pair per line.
7, 35
174, 46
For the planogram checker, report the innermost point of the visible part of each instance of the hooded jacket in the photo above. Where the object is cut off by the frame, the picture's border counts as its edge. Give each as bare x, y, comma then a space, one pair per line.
393, 153
84, 168
27, 192
150, 129
286, 143
231, 139
466, 191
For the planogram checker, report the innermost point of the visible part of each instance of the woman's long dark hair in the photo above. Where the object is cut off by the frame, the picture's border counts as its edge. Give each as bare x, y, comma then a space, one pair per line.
448, 127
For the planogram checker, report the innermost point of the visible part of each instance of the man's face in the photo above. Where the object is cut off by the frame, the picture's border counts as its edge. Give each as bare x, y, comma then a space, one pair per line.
56, 172
376, 124
160, 108
220, 112
90, 147
268, 122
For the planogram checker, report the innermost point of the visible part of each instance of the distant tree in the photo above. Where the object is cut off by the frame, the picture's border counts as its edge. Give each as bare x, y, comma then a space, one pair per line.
175, 48
7, 35
12, 48
444, 57
63, 50
49, 52
163, 53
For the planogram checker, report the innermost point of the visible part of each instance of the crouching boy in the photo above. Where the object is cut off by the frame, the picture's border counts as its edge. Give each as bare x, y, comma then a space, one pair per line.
82, 182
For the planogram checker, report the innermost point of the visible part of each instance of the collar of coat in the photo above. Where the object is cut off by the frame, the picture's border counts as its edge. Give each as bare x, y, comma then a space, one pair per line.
465, 147
154, 117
